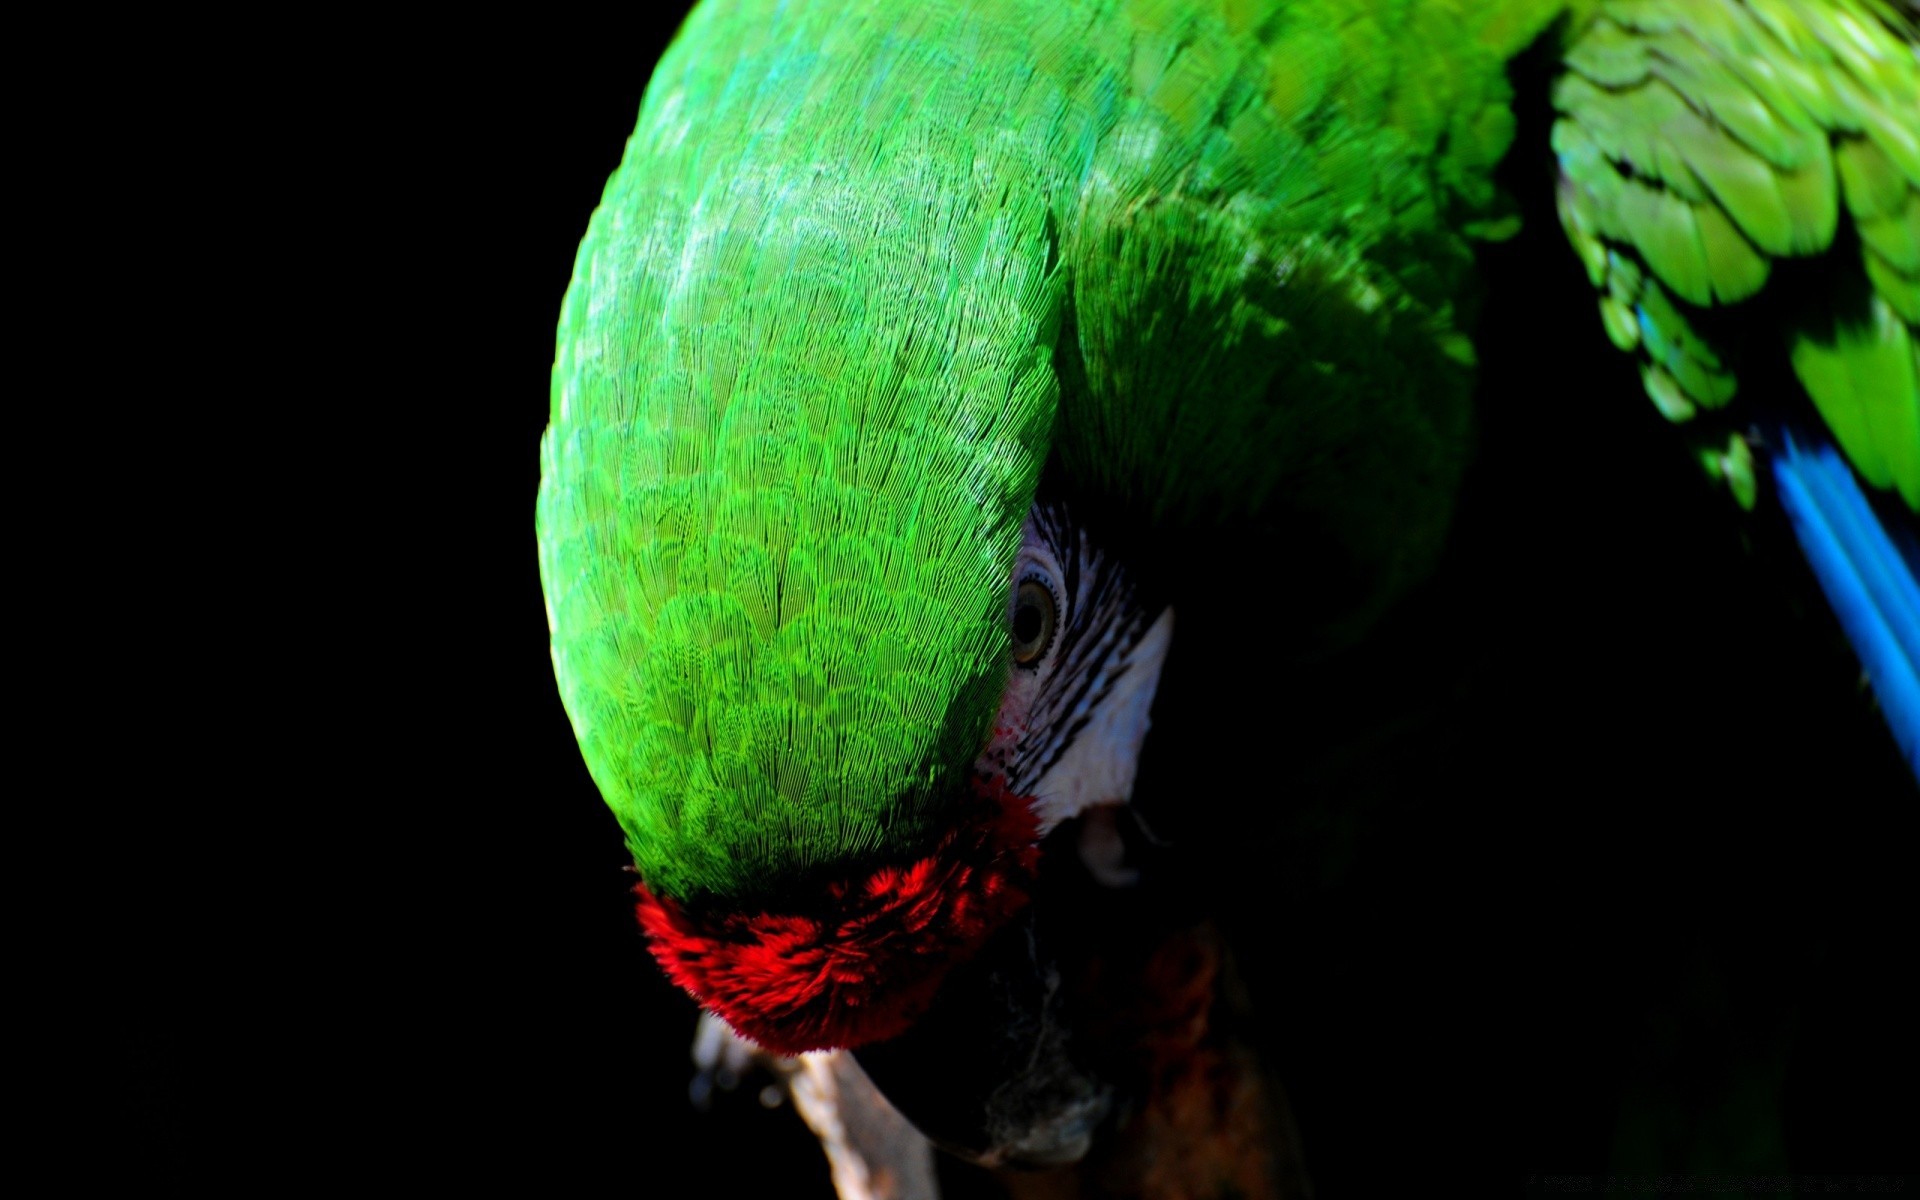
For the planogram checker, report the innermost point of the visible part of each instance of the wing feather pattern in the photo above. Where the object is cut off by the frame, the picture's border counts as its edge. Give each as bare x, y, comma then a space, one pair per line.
1700, 144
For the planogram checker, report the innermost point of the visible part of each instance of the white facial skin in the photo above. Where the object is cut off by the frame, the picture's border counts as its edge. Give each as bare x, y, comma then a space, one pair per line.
1075, 709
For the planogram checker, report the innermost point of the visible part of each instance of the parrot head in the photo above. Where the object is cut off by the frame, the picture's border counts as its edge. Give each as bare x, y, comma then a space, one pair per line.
855, 951
830, 663
827, 914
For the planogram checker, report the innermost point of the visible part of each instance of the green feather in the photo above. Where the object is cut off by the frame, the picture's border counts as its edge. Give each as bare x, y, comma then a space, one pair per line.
1701, 139
1864, 378
865, 266
801, 394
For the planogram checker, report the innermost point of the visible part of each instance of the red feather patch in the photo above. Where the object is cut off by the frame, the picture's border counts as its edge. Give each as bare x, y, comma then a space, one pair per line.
866, 968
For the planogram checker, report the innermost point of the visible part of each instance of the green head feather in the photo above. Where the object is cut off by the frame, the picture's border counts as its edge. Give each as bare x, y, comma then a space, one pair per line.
806, 372
801, 396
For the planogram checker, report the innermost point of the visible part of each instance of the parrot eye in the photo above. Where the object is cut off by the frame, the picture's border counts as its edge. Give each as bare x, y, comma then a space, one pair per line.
1033, 621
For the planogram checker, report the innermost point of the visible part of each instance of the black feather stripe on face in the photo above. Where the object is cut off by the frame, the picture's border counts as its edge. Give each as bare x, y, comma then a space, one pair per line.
1101, 619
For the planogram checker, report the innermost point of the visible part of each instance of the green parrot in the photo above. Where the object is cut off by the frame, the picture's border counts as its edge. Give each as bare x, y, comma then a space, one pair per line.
918, 356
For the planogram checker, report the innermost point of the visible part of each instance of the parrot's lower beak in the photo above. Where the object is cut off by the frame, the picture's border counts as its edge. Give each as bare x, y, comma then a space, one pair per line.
1104, 1025
988, 1072
1015, 1064
999, 1068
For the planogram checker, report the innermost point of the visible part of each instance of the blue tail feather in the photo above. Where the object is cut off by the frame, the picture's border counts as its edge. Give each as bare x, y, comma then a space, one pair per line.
1868, 578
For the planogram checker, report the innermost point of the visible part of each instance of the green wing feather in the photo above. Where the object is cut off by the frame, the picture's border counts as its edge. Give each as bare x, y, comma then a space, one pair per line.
1702, 142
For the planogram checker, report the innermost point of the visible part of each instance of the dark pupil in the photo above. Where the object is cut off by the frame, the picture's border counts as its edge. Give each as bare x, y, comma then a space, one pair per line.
1026, 623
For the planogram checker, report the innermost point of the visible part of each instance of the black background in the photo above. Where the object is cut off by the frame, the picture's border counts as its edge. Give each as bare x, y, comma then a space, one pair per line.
1651, 859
